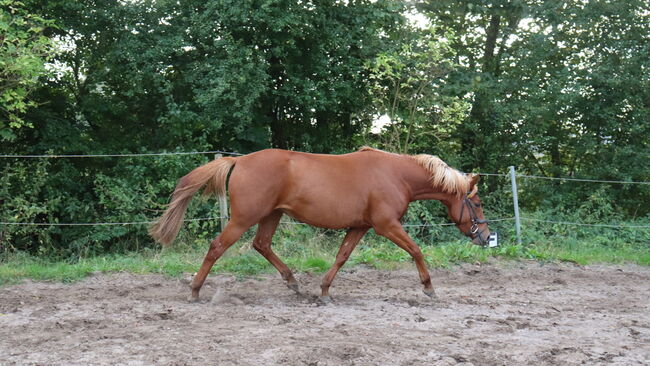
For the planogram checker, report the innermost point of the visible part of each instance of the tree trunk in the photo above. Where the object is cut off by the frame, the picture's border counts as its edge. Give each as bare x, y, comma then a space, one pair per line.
278, 130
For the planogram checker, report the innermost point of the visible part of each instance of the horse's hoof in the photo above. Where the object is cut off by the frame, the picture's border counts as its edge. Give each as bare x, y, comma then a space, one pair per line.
431, 293
193, 298
294, 287
324, 300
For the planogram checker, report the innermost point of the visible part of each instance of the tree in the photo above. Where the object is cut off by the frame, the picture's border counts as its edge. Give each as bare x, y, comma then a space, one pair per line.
140, 76
24, 51
407, 87
557, 87
309, 61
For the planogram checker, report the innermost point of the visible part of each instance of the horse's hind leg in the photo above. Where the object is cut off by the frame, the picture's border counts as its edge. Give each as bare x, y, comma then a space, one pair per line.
352, 238
262, 243
230, 234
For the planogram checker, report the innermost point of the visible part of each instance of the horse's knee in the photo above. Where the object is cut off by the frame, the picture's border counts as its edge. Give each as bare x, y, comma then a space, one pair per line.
257, 246
261, 245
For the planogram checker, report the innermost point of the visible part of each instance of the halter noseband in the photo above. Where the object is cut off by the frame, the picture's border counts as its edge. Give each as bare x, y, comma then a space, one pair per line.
474, 231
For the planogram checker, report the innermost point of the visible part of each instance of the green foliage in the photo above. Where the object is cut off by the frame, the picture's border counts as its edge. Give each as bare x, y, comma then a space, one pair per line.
24, 51
242, 75
30, 191
151, 76
406, 88
557, 88
20, 183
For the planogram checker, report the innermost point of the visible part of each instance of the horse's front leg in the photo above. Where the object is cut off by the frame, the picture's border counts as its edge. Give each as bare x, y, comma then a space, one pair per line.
394, 232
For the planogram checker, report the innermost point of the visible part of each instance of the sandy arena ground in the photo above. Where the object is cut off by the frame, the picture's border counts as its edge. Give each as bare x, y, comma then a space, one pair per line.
507, 313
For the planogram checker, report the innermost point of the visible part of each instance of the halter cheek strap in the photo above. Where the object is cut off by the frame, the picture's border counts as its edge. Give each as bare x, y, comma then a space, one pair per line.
474, 231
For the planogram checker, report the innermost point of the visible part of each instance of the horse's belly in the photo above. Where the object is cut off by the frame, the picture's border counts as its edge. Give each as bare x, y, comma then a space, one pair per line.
326, 214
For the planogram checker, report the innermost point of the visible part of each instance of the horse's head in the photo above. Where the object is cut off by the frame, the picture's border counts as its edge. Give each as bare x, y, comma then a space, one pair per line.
467, 213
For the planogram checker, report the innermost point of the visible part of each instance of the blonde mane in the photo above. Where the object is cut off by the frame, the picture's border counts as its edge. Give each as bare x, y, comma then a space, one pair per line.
447, 178
443, 176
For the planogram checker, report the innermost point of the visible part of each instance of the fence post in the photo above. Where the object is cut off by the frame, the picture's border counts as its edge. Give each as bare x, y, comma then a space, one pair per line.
515, 201
223, 204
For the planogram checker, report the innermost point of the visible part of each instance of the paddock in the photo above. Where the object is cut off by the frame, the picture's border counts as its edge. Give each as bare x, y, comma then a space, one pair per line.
485, 314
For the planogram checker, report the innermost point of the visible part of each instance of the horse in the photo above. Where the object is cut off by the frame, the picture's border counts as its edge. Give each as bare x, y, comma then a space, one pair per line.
369, 188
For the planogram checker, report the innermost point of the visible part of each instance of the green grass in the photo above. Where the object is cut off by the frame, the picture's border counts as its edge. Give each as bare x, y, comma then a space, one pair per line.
315, 256
450, 254
241, 260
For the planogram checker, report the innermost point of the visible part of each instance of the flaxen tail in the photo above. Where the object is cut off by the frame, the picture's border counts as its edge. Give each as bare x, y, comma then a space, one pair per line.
212, 175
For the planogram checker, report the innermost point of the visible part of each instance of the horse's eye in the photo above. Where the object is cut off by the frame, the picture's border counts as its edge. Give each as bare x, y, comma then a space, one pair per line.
478, 205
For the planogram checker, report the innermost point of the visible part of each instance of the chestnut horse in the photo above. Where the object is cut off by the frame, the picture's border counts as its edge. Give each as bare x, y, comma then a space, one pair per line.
365, 189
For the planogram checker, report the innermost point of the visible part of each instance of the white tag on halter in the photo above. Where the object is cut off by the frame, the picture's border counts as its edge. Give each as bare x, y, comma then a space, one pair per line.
493, 240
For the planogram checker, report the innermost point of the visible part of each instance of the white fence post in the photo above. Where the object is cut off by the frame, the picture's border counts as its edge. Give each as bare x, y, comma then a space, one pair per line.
515, 201
223, 204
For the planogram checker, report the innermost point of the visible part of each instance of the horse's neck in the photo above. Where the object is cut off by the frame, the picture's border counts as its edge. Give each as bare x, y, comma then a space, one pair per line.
419, 181
432, 194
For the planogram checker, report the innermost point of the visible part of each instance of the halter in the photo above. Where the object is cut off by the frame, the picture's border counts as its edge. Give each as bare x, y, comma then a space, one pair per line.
474, 230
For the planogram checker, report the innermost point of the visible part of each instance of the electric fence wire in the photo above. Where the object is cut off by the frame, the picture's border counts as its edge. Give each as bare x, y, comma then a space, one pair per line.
98, 223
121, 155
453, 223
186, 220
581, 179
240, 154
614, 226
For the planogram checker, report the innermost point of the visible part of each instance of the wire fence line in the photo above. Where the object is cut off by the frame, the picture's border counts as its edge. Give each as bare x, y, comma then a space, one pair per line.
58, 156
197, 219
568, 223
494, 174
581, 179
453, 223
98, 223
121, 155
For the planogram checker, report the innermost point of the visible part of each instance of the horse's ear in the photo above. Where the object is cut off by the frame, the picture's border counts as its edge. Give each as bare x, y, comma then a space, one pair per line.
473, 181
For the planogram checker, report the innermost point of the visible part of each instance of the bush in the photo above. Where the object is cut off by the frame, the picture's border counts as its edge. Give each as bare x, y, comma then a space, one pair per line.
73, 191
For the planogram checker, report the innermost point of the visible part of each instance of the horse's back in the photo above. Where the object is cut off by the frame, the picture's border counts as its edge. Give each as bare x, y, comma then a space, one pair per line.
323, 190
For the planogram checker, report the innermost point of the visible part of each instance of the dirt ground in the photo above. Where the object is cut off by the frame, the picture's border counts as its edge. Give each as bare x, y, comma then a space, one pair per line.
507, 313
